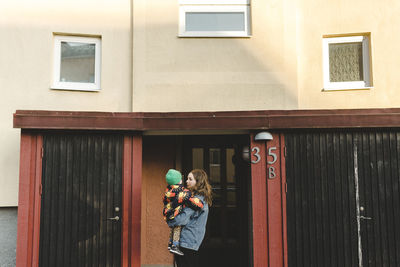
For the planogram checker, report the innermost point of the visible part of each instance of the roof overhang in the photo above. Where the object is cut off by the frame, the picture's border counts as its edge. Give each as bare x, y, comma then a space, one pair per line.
186, 121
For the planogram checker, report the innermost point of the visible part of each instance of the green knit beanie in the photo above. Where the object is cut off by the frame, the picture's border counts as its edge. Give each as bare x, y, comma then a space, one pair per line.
173, 177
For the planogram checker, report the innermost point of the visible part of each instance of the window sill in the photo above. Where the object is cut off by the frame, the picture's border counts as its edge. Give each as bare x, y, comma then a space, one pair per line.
346, 89
213, 36
74, 89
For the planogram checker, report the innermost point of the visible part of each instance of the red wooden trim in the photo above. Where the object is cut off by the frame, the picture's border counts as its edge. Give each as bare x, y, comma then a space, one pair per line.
37, 201
136, 200
284, 215
29, 201
23, 257
126, 201
234, 120
132, 204
259, 208
274, 196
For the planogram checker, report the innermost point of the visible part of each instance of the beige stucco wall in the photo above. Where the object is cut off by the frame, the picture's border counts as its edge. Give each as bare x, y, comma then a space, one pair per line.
380, 19
198, 74
26, 53
278, 67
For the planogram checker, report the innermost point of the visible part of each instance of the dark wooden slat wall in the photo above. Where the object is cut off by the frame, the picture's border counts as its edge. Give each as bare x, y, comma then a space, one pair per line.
321, 198
379, 161
82, 183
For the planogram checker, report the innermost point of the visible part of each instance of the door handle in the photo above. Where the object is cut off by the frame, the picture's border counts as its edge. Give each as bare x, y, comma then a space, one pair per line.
365, 218
116, 218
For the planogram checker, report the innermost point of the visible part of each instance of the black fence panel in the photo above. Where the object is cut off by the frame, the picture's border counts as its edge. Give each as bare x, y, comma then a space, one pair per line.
81, 190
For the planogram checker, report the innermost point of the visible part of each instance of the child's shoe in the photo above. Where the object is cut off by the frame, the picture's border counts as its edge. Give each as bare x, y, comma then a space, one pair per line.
175, 249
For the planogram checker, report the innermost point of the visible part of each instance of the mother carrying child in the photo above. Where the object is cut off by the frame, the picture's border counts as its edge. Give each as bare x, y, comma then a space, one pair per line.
191, 219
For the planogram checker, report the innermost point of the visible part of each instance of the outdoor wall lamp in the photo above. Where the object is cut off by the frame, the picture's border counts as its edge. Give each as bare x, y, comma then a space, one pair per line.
263, 136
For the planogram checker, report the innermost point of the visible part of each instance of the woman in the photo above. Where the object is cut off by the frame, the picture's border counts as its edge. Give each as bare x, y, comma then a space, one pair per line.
194, 222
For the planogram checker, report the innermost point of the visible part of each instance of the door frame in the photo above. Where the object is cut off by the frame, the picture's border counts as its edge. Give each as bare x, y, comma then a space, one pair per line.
29, 199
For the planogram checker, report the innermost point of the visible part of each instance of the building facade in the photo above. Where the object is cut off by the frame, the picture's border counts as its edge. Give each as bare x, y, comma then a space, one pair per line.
189, 84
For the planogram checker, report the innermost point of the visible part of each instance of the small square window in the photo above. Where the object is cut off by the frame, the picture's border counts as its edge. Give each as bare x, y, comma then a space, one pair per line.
218, 18
346, 63
76, 63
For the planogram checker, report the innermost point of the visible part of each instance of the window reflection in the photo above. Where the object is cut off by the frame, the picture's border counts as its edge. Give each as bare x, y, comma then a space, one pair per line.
215, 165
197, 158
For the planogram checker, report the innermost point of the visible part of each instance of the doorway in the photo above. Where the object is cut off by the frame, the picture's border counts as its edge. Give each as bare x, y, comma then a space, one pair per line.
227, 241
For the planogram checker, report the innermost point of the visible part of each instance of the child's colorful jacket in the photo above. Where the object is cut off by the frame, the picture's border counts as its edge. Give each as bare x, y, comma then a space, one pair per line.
177, 197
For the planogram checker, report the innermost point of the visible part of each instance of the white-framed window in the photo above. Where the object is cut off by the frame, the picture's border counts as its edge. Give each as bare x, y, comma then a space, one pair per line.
218, 18
77, 62
346, 63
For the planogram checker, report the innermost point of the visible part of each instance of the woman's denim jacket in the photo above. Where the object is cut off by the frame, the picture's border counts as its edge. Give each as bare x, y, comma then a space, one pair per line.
194, 223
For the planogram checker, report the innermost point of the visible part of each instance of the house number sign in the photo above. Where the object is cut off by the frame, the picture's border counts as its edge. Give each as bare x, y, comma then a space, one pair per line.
271, 169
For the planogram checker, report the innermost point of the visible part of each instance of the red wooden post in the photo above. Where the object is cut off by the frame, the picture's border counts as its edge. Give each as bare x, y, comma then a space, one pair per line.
29, 200
259, 195
136, 200
131, 198
269, 202
274, 196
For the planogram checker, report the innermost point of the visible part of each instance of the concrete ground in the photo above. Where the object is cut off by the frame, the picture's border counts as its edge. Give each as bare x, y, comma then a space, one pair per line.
8, 236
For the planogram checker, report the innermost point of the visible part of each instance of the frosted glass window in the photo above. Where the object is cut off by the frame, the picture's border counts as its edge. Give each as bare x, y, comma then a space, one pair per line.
345, 62
77, 62
215, 21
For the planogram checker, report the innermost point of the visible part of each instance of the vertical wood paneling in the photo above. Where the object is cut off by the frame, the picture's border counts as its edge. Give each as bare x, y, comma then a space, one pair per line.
82, 176
321, 199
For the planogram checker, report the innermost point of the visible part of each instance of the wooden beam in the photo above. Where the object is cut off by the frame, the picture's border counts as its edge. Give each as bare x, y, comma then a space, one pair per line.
234, 120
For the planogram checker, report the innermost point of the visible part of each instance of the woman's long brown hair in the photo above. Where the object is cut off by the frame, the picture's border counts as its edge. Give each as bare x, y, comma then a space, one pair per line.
202, 186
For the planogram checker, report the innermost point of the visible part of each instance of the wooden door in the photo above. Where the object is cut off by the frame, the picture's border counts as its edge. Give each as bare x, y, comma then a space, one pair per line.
81, 202
226, 242
343, 200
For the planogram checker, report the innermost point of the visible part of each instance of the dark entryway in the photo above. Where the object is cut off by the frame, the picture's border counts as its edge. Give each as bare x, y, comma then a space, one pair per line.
81, 202
227, 240
343, 201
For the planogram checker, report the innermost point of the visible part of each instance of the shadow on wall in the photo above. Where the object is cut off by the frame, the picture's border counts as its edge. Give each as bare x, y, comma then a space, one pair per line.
226, 74
8, 236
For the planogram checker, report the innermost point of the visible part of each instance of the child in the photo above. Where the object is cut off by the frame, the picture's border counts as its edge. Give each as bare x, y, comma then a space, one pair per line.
175, 199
